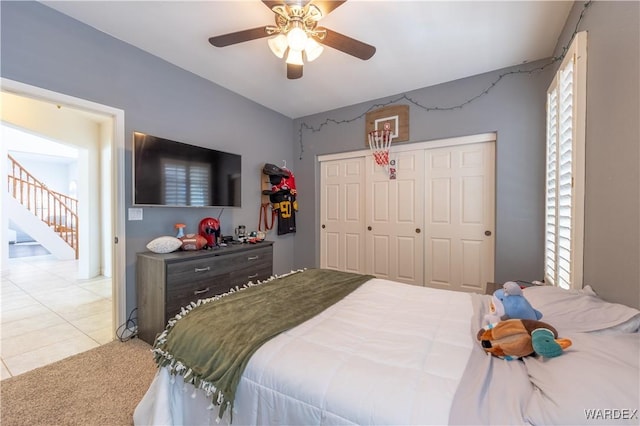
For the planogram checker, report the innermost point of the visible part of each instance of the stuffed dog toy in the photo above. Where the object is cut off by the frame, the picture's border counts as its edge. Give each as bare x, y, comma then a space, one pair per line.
517, 338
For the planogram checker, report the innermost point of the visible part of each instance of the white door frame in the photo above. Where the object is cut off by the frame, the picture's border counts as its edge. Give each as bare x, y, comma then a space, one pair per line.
438, 143
119, 299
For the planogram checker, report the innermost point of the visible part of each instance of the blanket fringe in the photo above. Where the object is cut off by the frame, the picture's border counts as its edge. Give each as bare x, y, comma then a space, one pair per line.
175, 367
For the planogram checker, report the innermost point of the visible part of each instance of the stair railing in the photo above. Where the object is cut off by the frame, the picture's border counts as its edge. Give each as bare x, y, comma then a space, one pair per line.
58, 211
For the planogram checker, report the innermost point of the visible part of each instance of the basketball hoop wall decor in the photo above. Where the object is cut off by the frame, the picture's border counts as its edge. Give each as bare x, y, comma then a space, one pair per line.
396, 115
379, 144
383, 126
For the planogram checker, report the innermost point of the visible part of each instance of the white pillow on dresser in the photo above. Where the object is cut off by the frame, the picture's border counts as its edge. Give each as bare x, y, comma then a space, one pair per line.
164, 244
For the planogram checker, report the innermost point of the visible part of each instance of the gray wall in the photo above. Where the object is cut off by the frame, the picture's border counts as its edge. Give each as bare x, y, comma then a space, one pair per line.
612, 200
44, 48
515, 109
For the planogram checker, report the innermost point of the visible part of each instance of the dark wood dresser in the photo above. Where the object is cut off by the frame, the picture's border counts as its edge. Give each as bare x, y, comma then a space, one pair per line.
167, 282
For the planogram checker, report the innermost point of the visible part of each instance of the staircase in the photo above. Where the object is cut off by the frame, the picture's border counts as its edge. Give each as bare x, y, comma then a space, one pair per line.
56, 214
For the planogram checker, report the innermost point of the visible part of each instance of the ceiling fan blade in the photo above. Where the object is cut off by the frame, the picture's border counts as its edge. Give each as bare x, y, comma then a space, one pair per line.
271, 3
347, 45
328, 6
238, 37
294, 71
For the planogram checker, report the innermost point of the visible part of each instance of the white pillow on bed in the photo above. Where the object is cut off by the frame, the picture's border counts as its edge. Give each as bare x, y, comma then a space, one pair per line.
577, 311
598, 372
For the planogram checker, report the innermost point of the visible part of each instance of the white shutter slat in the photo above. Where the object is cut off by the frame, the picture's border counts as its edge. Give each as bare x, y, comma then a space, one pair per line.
186, 183
199, 191
174, 183
563, 117
564, 177
550, 225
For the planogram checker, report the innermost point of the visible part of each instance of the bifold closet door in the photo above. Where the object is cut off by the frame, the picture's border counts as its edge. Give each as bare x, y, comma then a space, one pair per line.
395, 217
460, 217
433, 225
342, 214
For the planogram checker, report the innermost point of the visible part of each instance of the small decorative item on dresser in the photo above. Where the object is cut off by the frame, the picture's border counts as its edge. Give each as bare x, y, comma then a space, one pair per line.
209, 228
164, 244
191, 242
180, 227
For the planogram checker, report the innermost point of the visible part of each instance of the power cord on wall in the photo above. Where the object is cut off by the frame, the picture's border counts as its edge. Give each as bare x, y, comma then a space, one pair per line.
129, 329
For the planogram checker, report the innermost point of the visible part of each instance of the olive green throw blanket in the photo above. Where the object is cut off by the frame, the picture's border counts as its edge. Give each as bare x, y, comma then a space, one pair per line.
210, 342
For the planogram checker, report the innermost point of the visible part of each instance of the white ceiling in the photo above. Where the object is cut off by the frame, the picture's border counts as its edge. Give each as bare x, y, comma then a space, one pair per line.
24, 145
419, 44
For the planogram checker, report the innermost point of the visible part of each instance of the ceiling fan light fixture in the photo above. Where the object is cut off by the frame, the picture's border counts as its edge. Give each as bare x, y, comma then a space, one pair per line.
313, 49
278, 45
297, 39
294, 57
296, 36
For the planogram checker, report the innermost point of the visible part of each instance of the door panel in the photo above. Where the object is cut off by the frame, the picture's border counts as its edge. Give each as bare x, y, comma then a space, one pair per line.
342, 215
460, 192
381, 256
395, 214
330, 251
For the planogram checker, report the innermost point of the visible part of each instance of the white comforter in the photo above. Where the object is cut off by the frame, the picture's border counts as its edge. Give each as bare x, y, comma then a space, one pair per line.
388, 353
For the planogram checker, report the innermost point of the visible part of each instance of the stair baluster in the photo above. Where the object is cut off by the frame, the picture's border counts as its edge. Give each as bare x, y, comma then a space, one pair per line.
58, 211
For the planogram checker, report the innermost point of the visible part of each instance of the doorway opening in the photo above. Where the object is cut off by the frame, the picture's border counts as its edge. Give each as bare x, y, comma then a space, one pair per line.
73, 296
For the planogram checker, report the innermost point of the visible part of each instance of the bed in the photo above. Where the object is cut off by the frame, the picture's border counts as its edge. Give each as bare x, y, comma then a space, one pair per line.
382, 352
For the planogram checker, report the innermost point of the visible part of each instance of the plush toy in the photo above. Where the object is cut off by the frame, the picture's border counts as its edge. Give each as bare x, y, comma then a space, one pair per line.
517, 338
496, 310
508, 302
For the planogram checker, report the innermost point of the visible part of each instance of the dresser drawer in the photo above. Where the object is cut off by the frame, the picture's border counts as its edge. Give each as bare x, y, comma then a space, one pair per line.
256, 272
212, 266
181, 294
254, 258
192, 270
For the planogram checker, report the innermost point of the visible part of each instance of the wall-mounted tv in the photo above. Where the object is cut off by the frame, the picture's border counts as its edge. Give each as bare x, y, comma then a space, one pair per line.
176, 174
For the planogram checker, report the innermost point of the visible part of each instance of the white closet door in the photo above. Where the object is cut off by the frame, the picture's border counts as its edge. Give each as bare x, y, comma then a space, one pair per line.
342, 214
394, 218
459, 217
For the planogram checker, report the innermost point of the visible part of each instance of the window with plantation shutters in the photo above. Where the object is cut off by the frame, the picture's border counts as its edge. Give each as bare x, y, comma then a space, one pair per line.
186, 183
564, 218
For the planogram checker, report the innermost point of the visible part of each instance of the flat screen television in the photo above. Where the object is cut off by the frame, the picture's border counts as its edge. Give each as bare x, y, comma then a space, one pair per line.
176, 174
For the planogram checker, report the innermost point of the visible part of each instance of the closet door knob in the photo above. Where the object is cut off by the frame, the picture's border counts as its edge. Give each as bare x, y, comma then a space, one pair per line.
369, 228
323, 226
487, 233
418, 230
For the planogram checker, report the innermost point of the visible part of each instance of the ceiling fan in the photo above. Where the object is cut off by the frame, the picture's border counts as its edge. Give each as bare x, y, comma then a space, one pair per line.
296, 31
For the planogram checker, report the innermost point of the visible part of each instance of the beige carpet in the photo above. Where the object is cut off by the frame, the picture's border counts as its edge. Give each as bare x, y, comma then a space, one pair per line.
98, 387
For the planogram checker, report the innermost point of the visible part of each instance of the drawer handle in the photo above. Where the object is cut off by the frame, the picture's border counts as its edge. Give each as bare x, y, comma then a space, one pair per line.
253, 258
252, 276
197, 292
208, 268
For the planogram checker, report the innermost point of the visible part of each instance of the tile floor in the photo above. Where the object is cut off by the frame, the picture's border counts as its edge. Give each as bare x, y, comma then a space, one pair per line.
48, 314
